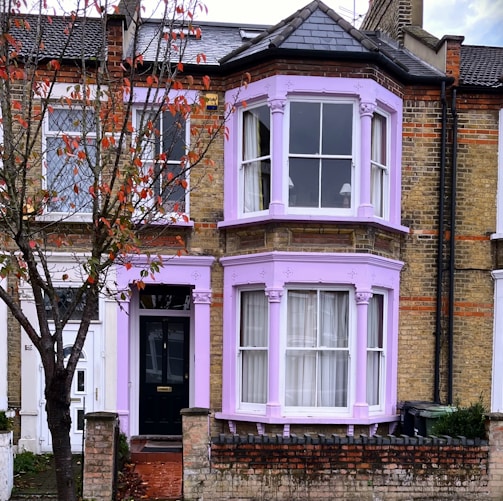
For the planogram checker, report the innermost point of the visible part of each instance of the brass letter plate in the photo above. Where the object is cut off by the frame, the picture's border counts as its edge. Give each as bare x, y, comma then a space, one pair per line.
164, 389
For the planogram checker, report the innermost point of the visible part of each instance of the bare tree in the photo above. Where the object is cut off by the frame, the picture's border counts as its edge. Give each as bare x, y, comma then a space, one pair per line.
82, 162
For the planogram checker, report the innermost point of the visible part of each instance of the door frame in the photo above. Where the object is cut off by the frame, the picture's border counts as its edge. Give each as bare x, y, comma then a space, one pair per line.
134, 354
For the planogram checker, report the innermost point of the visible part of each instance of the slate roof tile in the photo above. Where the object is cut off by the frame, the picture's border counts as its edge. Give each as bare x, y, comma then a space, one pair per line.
482, 66
85, 39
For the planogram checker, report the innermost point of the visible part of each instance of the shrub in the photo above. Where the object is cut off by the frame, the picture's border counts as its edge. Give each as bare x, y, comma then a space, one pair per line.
5, 422
466, 422
28, 462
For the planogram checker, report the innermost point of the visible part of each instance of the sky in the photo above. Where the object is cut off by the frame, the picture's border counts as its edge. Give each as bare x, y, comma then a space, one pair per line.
479, 21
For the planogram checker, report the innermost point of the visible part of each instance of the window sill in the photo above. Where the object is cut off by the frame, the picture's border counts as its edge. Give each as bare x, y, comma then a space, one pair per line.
371, 419
168, 219
371, 220
64, 217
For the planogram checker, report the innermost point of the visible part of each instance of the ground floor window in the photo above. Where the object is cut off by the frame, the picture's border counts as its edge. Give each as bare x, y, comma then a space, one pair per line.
299, 349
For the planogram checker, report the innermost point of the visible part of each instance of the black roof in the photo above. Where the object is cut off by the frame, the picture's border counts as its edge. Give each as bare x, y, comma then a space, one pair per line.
48, 37
314, 31
481, 66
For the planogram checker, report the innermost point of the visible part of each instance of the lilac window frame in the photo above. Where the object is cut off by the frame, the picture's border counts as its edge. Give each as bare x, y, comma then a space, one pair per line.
276, 91
275, 272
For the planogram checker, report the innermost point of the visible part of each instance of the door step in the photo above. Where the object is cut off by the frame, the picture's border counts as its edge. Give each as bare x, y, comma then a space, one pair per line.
155, 448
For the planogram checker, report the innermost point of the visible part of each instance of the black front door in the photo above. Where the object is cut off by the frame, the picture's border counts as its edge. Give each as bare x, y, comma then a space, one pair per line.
164, 374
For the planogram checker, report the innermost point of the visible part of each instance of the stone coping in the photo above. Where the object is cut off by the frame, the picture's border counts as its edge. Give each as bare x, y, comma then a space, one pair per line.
334, 439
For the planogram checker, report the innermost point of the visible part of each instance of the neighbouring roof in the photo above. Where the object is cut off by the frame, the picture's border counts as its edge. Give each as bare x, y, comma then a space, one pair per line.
85, 38
481, 66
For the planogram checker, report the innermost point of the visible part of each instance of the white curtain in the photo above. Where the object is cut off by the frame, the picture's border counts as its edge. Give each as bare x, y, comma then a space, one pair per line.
334, 365
374, 348
300, 380
317, 372
253, 346
252, 181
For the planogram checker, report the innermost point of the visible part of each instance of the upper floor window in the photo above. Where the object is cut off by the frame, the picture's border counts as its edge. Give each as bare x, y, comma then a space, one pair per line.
314, 147
70, 157
256, 159
164, 146
320, 154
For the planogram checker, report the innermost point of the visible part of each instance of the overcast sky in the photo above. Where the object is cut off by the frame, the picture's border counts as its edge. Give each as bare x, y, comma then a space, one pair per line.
480, 21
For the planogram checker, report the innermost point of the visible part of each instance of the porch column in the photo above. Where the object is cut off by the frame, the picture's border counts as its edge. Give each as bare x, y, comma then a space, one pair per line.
202, 301
123, 372
274, 295
361, 408
365, 209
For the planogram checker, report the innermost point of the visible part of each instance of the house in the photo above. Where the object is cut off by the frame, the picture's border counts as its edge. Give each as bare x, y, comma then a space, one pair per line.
341, 260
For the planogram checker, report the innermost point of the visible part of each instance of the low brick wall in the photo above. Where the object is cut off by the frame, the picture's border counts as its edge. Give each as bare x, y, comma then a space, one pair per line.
261, 467
277, 468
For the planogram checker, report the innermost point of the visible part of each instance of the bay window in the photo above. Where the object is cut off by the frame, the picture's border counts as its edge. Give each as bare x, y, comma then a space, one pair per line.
313, 147
298, 350
70, 158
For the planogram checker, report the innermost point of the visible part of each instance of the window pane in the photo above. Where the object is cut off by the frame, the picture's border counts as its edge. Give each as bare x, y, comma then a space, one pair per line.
170, 186
334, 175
153, 354
300, 380
337, 129
175, 369
66, 296
302, 318
305, 128
81, 381
256, 133
71, 120
375, 321
373, 377
257, 185
68, 178
378, 150
254, 377
304, 182
254, 319
334, 317
165, 297
173, 135
375, 340
333, 379
253, 341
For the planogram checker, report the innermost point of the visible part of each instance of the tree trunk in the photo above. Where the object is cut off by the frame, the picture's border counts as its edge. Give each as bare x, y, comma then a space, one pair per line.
59, 421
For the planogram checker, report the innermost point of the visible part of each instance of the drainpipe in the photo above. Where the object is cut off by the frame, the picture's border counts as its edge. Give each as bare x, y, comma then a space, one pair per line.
452, 254
440, 250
